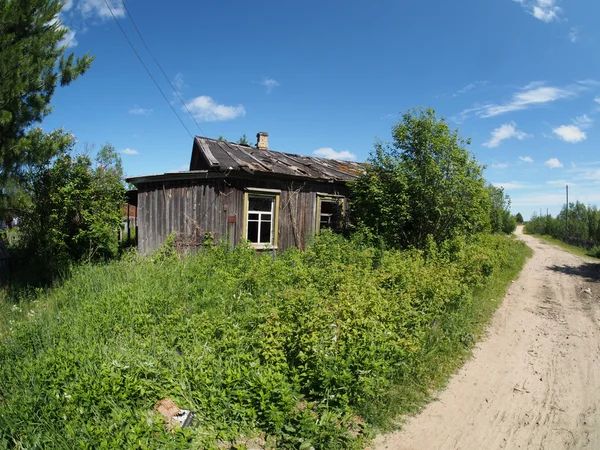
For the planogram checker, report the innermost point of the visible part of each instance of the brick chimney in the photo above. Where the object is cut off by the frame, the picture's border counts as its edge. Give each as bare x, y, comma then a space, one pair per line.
262, 141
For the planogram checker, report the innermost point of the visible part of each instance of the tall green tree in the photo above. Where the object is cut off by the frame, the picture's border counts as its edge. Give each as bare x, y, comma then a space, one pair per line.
424, 184
33, 62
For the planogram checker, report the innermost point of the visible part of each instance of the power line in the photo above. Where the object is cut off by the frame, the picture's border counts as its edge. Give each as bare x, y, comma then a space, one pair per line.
160, 67
145, 67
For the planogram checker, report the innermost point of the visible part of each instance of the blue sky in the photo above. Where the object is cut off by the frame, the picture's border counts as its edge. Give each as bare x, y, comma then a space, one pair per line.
521, 78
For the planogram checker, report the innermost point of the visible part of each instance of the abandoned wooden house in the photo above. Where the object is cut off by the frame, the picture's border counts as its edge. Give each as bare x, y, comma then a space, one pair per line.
273, 200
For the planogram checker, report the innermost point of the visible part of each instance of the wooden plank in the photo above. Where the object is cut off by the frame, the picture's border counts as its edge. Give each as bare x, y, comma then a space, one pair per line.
237, 160
250, 155
207, 153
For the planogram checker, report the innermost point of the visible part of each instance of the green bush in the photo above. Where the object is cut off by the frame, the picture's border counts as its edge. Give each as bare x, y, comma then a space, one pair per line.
308, 349
73, 214
594, 251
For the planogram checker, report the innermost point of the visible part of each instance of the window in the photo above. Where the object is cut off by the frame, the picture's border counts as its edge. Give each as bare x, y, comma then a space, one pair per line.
330, 211
261, 218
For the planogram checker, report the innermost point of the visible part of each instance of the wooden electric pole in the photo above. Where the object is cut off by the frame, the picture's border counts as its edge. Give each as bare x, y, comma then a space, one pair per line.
567, 216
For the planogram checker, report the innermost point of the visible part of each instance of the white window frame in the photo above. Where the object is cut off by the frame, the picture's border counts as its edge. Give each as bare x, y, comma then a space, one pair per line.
274, 195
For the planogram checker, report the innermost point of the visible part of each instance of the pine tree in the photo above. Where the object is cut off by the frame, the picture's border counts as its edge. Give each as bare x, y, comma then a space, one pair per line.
33, 61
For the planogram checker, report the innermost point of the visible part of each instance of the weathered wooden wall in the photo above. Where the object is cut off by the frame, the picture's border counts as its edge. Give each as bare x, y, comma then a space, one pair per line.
193, 208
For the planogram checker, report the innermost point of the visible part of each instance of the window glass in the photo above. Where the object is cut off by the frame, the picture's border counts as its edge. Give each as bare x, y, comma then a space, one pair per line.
253, 231
265, 232
260, 204
260, 219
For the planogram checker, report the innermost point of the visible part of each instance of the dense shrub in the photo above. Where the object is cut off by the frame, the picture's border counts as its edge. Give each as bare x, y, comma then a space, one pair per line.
594, 251
73, 213
307, 349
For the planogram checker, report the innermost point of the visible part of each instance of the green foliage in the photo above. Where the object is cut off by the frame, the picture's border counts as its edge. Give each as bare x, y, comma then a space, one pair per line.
583, 225
74, 214
243, 140
424, 184
594, 251
500, 218
509, 224
32, 64
308, 349
519, 218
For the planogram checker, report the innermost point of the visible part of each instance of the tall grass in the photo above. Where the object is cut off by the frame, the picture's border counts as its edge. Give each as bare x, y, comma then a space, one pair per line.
311, 348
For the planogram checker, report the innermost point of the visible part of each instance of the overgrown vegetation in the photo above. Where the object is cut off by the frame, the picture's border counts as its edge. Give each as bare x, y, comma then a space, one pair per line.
580, 227
426, 185
308, 349
71, 213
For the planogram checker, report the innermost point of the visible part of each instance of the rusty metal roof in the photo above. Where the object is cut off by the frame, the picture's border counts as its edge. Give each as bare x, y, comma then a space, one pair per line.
214, 155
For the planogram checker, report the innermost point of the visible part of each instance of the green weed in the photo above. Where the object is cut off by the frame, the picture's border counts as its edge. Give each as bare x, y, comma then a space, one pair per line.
310, 349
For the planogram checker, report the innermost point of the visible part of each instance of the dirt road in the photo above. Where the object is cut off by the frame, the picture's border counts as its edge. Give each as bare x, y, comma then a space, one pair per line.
534, 381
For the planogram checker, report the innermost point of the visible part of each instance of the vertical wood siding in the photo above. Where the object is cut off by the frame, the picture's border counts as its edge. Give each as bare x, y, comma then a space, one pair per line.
193, 208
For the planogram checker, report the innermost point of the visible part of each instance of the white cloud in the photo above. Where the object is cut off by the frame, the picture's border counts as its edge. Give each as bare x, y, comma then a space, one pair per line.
76, 14
500, 166
544, 10
546, 14
68, 40
597, 100
130, 151
206, 109
470, 87
141, 111
269, 83
179, 82
99, 9
511, 185
560, 183
553, 163
506, 131
570, 133
526, 159
589, 83
329, 153
584, 121
534, 94
574, 35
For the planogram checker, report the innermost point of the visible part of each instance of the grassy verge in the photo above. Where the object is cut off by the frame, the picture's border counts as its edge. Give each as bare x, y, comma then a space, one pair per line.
313, 349
568, 247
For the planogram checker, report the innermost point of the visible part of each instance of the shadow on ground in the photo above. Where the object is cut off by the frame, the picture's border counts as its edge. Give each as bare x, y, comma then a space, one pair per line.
589, 271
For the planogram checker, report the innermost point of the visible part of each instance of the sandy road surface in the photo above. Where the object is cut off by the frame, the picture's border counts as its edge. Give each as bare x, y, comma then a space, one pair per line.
534, 381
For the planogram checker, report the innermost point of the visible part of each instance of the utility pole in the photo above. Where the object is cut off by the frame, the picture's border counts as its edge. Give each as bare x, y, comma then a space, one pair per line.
567, 216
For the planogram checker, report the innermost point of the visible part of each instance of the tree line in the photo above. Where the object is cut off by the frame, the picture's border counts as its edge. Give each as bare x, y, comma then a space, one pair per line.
578, 225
